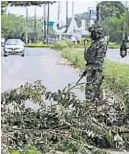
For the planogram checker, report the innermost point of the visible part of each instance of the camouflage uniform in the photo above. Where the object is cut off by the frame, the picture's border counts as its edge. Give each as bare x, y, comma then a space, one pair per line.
94, 56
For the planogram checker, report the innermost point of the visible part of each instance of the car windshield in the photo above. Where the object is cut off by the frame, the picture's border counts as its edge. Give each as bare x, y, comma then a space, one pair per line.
13, 42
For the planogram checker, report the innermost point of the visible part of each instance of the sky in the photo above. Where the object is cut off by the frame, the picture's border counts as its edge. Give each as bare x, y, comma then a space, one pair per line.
79, 7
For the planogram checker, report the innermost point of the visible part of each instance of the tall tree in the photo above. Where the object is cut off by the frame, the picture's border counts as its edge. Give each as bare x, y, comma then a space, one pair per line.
110, 8
12, 26
30, 3
4, 4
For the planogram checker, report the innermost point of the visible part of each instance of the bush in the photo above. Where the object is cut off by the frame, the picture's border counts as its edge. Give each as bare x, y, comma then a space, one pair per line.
67, 126
60, 45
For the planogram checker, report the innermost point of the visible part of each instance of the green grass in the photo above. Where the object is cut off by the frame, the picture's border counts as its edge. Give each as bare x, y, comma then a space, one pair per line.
116, 74
113, 45
66, 43
74, 56
59, 45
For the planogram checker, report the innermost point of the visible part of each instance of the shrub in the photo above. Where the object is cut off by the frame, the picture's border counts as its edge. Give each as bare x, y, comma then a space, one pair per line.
68, 125
67, 43
60, 45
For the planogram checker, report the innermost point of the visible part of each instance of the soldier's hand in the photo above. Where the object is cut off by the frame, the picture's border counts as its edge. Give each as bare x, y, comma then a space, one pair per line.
83, 73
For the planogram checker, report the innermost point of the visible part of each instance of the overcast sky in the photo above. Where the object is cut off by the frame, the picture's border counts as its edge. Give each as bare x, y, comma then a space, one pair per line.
79, 7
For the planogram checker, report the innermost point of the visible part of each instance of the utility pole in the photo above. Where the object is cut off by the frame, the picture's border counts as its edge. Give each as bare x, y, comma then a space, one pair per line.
48, 13
66, 15
72, 9
45, 21
98, 13
58, 15
35, 33
26, 24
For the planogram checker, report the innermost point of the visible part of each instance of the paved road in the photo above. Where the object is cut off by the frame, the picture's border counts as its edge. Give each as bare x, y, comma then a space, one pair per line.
114, 55
38, 64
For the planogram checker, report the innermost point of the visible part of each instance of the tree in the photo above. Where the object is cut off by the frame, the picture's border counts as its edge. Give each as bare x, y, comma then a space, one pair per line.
114, 19
110, 8
16, 27
4, 4
80, 16
12, 26
114, 28
30, 3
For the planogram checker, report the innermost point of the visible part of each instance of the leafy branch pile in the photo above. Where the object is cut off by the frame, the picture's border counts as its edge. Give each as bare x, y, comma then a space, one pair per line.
62, 123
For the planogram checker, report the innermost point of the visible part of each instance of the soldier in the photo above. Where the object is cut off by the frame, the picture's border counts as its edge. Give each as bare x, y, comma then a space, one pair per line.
94, 57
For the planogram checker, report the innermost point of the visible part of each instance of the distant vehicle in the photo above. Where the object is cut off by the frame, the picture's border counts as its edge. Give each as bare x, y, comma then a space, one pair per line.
14, 46
2, 42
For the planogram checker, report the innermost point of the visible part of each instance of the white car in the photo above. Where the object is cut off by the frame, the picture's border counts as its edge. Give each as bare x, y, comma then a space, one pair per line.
2, 42
14, 46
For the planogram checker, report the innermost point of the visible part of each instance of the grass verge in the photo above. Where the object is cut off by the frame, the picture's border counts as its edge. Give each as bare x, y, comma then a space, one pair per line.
113, 45
66, 43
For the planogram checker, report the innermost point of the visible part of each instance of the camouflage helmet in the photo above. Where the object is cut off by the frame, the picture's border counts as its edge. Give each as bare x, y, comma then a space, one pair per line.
96, 28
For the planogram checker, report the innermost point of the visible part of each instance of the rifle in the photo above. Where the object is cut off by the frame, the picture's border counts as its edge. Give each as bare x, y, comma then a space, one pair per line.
83, 74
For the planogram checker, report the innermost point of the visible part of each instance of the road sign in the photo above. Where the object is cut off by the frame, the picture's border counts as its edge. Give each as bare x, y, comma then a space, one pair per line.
56, 27
50, 23
93, 14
